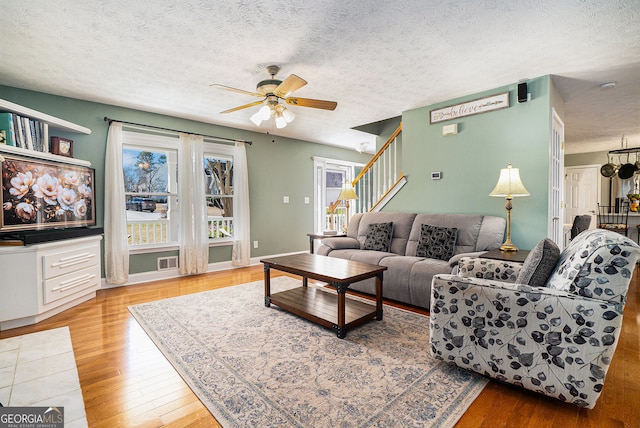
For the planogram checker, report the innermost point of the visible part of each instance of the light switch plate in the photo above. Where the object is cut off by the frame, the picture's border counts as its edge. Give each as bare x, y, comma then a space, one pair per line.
285, 199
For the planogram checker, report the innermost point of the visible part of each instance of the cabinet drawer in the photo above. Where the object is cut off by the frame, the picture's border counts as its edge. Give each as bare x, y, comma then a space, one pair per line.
71, 260
66, 285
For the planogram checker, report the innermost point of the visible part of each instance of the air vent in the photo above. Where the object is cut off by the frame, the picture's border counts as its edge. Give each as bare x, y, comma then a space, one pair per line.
165, 263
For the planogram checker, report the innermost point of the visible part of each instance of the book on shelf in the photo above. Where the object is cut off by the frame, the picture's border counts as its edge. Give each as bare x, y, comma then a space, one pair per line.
7, 128
24, 132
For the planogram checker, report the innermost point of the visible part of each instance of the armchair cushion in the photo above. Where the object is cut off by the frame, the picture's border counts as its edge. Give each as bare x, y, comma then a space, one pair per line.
539, 264
379, 236
436, 242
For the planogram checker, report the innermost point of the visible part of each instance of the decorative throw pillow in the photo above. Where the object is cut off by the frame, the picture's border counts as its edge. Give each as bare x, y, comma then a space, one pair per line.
539, 264
437, 242
379, 237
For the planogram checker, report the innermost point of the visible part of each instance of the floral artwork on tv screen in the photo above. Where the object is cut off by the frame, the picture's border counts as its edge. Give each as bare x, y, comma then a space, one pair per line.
38, 194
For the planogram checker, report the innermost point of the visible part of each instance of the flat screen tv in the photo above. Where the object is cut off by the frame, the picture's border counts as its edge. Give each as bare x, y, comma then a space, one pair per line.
40, 195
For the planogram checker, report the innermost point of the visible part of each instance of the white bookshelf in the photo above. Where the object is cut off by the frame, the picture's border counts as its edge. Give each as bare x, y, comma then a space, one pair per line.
53, 122
11, 150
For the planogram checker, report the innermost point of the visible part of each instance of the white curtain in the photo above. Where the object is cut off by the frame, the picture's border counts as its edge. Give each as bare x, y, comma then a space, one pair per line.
241, 255
194, 237
116, 258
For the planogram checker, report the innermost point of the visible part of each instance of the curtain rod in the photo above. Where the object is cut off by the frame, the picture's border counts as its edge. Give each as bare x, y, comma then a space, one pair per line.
230, 140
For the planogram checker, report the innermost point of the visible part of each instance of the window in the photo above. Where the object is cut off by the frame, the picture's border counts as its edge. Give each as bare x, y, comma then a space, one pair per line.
150, 171
149, 164
218, 173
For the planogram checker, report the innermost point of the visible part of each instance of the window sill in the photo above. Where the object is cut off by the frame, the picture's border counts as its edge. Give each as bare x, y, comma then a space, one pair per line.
220, 243
143, 249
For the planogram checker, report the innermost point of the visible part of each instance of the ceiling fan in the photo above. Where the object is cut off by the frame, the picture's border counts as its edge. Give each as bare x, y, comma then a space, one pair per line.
272, 91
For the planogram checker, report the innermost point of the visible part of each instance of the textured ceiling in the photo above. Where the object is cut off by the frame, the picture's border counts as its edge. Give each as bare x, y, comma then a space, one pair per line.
375, 58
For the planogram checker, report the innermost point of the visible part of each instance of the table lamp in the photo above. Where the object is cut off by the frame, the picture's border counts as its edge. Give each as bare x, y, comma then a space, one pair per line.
347, 194
509, 186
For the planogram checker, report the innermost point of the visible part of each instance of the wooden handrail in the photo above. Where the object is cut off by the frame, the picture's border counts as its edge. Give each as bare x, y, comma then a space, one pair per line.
387, 192
378, 154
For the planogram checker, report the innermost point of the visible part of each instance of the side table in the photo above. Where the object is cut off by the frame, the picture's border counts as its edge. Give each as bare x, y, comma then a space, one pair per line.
314, 236
507, 256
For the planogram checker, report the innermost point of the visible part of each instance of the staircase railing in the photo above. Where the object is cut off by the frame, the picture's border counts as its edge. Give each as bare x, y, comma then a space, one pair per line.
381, 178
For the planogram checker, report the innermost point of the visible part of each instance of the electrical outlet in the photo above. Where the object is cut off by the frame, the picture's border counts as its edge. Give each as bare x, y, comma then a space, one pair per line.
306, 199
255, 244
285, 199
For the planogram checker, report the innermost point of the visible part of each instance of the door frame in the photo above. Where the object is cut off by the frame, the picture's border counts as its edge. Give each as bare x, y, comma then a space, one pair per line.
320, 166
556, 179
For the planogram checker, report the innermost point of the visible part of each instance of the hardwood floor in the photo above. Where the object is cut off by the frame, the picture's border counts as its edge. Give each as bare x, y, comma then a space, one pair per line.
127, 382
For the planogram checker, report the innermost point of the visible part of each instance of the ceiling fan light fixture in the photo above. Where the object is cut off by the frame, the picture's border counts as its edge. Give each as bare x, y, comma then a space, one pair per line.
263, 114
280, 122
288, 115
256, 118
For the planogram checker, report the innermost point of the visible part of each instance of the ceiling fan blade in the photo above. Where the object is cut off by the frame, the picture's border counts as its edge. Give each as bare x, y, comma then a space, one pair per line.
241, 91
288, 85
231, 110
308, 102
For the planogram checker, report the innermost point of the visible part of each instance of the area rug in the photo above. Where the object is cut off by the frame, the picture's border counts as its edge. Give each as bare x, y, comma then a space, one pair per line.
254, 366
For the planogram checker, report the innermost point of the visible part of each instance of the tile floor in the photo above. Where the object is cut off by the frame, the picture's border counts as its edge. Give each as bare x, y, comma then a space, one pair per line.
39, 369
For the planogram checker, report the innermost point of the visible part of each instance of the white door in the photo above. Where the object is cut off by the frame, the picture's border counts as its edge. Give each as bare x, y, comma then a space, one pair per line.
556, 172
329, 176
582, 191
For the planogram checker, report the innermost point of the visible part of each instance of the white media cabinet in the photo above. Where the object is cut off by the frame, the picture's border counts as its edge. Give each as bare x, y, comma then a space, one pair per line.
40, 280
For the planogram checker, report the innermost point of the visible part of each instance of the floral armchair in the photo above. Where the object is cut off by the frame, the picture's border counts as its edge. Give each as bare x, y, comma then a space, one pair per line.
557, 340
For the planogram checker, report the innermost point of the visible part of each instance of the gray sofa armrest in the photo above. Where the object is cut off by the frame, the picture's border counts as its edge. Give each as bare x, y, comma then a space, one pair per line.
341, 243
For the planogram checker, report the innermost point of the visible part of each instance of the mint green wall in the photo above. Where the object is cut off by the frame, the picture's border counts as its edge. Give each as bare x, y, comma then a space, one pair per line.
276, 169
470, 161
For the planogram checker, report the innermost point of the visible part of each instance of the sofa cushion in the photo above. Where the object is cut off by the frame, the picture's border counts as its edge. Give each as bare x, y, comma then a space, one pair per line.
539, 264
475, 232
402, 223
437, 242
378, 236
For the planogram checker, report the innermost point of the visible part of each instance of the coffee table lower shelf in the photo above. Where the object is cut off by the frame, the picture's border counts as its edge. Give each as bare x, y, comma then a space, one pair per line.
321, 307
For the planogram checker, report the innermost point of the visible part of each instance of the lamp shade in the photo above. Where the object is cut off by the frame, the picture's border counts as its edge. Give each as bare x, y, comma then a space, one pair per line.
288, 115
347, 193
280, 122
263, 114
509, 184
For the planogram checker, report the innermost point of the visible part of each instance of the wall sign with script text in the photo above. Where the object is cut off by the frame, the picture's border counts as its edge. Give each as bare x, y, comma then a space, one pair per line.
481, 105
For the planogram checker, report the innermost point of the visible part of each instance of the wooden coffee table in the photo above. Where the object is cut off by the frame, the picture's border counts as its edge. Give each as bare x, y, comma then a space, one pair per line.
324, 308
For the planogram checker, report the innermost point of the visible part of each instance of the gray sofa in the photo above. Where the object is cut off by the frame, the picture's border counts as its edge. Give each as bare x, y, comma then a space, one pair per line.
408, 276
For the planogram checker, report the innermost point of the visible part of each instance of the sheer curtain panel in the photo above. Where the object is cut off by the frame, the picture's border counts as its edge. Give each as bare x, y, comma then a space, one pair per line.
116, 257
194, 237
241, 255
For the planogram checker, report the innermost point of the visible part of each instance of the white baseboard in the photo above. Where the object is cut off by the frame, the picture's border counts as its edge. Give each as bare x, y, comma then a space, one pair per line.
142, 277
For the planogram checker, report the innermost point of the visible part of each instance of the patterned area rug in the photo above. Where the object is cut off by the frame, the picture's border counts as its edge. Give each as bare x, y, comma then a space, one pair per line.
256, 366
